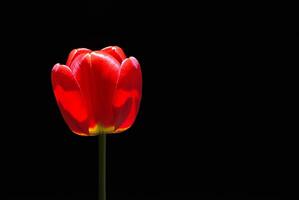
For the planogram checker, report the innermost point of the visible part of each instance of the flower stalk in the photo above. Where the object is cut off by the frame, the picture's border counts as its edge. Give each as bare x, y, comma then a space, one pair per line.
102, 167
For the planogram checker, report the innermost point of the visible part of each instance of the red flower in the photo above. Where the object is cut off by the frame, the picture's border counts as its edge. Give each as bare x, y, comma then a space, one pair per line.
98, 92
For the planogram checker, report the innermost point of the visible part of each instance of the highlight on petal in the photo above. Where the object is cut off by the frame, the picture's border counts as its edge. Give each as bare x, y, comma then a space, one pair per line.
128, 93
116, 52
74, 53
105, 73
69, 99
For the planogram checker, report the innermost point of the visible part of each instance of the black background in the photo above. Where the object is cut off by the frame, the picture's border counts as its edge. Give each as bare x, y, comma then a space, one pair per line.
207, 125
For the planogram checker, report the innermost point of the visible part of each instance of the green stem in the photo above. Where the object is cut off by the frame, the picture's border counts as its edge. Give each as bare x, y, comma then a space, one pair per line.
102, 167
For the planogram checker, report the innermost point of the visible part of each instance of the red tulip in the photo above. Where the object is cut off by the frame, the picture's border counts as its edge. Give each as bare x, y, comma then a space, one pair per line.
98, 92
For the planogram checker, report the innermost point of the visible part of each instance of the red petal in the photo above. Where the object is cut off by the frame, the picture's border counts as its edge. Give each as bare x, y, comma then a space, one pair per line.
81, 68
116, 52
128, 94
97, 75
106, 71
69, 99
74, 53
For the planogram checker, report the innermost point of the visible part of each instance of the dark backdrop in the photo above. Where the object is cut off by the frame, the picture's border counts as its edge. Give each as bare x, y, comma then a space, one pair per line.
205, 126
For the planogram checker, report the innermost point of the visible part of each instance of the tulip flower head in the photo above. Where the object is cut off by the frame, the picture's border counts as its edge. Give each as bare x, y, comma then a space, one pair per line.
98, 92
